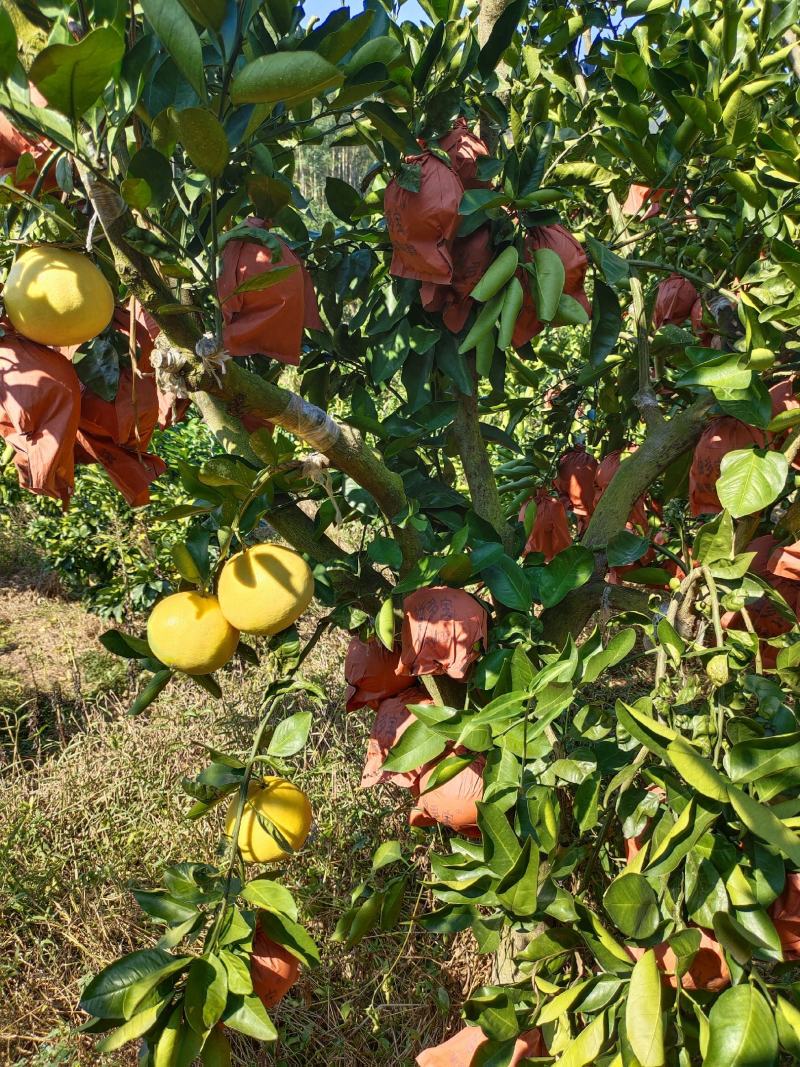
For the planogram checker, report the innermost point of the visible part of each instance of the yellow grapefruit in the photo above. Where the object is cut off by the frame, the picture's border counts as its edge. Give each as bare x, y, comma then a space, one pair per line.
57, 297
263, 590
188, 631
284, 806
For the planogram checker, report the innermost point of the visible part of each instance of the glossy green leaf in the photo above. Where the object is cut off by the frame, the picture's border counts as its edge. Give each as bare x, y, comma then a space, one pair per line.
247, 1014
418, 746
206, 993
8, 44
204, 139
548, 282
644, 1024
632, 904
741, 1030
290, 735
569, 570
72, 76
105, 995
265, 893
518, 888
178, 35
291, 77
751, 480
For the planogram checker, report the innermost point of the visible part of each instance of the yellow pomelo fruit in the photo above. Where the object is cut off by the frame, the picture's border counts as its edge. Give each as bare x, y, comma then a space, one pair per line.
263, 590
57, 297
188, 631
284, 806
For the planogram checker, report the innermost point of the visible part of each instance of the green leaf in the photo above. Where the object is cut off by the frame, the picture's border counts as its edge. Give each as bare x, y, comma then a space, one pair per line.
97, 366
206, 993
568, 570
418, 746
292, 77
648, 731
391, 127
365, 919
341, 198
500, 38
751, 480
548, 281
448, 768
741, 1030
717, 372
160, 905
177, 33
125, 645
151, 691
615, 651
518, 888
585, 1047
626, 547
644, 1025
697, 771
492, 1009
216, 1050
632, 904
72, 76
273, 896
714, 540
606, 322
787, 1020
428, 57
209, 13
387, 853
294, 938
684, 834
239, 978
136, 193
570, 312
500, 844
740, 119
8, 44
134, 1028
204, 139
757, 757
614, 268
104, 997
290, 735
386, 551
763, 823
507, 582
258, 282
247, 1014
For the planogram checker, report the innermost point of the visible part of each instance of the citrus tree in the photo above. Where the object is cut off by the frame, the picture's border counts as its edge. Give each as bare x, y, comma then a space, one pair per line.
544, 400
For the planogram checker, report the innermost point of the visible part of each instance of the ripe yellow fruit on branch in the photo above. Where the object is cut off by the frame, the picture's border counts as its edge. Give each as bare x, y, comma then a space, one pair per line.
282, 805
265, 589
188, 631
57, 297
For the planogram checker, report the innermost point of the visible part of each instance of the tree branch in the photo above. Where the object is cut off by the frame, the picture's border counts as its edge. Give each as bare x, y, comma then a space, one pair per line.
574, 612
663, 444
245, 392
477, 468
293, 525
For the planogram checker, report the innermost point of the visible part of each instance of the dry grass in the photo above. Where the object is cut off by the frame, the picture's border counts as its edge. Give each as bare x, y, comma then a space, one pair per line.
98, 807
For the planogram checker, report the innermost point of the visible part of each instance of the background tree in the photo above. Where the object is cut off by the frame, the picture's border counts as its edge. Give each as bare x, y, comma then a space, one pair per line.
635, 871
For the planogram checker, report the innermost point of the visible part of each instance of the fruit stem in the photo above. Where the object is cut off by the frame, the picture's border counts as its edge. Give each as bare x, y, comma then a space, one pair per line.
213, 936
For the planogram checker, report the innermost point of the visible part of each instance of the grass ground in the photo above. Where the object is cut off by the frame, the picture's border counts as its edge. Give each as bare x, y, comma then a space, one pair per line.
90, 804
